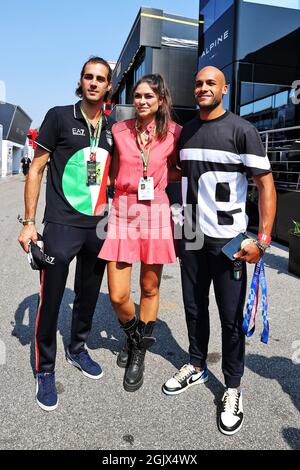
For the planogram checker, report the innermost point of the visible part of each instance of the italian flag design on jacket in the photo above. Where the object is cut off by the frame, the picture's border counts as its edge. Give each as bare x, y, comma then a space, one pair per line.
89, 200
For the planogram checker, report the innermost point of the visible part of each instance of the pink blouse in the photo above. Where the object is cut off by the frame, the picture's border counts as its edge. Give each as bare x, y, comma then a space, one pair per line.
130, 160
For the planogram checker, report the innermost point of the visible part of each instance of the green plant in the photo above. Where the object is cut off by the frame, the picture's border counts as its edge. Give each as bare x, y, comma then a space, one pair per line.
296, 229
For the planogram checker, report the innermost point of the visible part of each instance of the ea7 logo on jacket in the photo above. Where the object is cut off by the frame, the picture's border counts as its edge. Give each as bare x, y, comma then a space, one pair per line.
78, 131
49, 259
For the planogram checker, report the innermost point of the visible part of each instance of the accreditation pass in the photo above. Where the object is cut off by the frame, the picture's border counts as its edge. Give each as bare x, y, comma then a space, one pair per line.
146, 189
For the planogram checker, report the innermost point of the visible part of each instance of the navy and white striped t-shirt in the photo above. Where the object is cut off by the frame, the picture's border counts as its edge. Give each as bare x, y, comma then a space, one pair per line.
216, 158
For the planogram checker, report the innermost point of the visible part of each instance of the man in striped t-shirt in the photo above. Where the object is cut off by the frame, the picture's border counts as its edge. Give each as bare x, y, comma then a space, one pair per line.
218, 152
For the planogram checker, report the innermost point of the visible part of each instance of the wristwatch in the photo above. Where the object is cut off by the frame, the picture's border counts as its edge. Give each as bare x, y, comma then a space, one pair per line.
30, 221
261, 246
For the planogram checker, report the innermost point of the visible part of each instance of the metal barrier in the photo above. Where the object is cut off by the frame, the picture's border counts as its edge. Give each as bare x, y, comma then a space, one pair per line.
283, 149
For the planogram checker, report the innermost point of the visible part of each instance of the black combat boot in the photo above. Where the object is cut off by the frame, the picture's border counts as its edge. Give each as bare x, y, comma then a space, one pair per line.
142, 340
124, 355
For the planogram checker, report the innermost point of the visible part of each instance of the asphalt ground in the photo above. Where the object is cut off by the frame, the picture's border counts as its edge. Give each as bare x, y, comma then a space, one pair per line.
100, 414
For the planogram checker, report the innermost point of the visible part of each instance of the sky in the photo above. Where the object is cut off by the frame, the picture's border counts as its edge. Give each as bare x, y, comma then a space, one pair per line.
44, 44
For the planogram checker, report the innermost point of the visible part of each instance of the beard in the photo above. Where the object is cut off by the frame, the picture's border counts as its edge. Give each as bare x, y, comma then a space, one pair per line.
210, 106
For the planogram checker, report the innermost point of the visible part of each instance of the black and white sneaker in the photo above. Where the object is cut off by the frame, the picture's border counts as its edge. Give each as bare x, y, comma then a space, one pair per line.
183, 379
232, 414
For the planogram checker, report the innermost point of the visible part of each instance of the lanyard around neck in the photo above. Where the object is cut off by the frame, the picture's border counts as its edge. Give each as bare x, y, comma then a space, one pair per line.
94, 136
145, 156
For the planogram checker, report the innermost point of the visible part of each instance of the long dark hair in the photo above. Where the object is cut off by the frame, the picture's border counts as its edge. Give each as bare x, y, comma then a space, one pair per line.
164, 112
94, 60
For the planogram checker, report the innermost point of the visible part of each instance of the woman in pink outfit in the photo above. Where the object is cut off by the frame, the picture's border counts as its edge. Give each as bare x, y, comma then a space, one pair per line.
139, 227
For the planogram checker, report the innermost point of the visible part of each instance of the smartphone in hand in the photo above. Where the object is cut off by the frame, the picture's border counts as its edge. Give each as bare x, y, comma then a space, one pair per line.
234, 245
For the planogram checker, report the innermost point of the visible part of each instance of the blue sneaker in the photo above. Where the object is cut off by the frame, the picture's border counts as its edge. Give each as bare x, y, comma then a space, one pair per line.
183, 379
46, 394
85, 363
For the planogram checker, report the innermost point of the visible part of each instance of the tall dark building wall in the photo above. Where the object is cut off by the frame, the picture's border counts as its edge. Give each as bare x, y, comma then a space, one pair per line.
178, 67
163, 43
263, 32
15, 123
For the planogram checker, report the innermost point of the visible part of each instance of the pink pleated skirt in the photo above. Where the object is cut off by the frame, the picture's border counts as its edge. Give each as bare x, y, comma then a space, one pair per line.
139, 231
